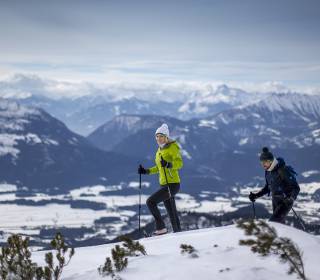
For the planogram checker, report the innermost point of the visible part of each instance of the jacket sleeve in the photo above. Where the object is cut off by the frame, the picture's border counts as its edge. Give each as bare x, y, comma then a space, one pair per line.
153, 170
177, 162
263, 191
291, 183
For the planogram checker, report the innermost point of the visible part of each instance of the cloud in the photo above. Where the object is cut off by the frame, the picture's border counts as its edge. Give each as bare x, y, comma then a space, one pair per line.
171, 71
22, 86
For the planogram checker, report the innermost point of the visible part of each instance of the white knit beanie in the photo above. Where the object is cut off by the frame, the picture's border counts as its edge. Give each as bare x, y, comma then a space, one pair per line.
163, 129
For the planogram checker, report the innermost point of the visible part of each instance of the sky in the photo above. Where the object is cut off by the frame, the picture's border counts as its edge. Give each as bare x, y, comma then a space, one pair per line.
247, 41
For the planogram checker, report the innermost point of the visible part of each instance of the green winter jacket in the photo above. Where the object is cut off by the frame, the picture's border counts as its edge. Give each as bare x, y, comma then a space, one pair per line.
170, 153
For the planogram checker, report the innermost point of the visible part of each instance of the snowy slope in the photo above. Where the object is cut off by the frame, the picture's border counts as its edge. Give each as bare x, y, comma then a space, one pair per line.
227, 260
39, 152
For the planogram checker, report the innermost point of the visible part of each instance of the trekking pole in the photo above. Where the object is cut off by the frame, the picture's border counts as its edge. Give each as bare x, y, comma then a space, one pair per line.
170, 197
299, 219
139, 203
254, 210
301, 222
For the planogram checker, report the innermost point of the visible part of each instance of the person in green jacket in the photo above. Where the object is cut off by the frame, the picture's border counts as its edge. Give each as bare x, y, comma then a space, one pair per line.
168, 162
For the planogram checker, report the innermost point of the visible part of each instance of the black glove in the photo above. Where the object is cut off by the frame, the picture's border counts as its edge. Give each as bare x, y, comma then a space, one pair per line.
288, 200
165, 163
253, 196
142, 170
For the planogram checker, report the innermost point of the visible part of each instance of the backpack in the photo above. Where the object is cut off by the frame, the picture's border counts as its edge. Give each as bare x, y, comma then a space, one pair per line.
290, 170
292, 174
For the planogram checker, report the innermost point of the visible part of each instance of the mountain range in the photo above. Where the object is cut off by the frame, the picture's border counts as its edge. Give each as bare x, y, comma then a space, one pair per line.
226, 145
39, 152
84, 107
221, 132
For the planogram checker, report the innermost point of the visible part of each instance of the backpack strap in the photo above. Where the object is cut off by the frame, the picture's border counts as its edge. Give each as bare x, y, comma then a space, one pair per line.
281, 171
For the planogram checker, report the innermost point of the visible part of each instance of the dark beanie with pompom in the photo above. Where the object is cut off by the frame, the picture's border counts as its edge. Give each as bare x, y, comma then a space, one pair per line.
266, 154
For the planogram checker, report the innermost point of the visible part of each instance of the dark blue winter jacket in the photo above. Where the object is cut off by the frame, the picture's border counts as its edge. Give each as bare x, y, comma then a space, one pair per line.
280, 182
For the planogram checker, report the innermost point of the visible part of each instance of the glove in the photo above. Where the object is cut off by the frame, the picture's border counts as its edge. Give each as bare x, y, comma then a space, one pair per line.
288, 200
142, 170
253, 196
165, 163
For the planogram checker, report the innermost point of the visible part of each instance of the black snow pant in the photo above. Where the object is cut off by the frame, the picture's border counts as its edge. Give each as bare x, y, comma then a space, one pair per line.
163, 195
280, 209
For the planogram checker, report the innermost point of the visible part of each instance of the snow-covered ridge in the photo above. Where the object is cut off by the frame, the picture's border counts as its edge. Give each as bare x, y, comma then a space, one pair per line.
219, 257
13, 119
12, 109
9, 141
14, 116
127, 122
301, 104
201, 102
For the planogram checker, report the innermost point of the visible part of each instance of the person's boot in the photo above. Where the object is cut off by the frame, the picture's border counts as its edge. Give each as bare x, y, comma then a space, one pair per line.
160, 231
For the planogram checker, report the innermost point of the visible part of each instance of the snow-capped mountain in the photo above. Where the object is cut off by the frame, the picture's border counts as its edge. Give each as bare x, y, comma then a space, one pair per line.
39, 152
123, 126
214, 100
84, 107
219, 256
220, 143
84, 114
278, 121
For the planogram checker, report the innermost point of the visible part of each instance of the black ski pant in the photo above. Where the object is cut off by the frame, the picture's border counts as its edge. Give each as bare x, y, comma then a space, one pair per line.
280, 209
163, 195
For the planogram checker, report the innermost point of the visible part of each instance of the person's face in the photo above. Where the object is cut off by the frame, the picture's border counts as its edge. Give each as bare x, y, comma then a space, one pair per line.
266, 164
161, 139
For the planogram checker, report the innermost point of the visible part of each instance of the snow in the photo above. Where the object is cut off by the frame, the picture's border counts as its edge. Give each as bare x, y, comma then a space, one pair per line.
301, 104
185, 154
7, 188
217, 205
9, 141
223, 118
7, 150
309, 188
220, 257
273, 131
238, 152
182, 139
13, 216
243, 141
316, 133
208, 123
36, 216
114, 201
309, 173
128, 122
21, 218
10, 109
208, 206
136, 185
93, 190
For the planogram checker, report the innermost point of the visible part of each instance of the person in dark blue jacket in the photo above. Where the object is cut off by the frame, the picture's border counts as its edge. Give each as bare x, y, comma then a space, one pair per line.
280, 182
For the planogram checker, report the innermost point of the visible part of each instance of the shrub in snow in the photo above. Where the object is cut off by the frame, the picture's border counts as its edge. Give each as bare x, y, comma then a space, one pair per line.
267, 242
119, 257
120, 262
189, 250
132, 248
16, 264
52, 271
107, 268
15, 260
